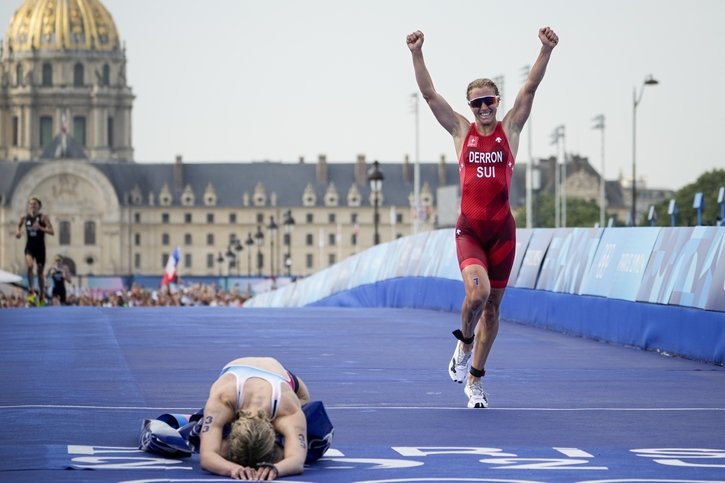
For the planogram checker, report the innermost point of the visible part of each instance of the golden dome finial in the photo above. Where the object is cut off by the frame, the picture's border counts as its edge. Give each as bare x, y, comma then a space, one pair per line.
61, 25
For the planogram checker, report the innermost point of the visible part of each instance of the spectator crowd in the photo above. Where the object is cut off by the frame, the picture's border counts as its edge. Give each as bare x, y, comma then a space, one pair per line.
138, 296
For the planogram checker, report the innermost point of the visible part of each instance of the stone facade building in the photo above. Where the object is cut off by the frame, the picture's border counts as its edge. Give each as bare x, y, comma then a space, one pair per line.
66, 138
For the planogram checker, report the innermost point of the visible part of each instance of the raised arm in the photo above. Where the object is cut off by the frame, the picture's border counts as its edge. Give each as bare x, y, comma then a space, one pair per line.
516, 118
443, 112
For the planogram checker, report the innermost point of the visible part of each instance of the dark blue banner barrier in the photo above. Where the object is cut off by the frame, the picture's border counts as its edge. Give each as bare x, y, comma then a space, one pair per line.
597, 283
412, 292
682, 331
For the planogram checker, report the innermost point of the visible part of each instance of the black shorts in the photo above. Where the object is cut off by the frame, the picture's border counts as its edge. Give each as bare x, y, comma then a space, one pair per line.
59, 291
37, 252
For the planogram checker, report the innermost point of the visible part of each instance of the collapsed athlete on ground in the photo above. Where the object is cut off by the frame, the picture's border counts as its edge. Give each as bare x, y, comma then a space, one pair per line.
486, 230
260, 399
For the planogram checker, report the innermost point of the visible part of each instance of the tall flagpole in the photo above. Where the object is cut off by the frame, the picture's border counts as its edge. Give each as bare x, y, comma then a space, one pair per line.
530, 166
599, 124
416, 168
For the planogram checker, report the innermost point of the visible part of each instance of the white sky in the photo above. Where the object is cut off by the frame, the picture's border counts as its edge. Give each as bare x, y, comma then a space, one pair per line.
238, 80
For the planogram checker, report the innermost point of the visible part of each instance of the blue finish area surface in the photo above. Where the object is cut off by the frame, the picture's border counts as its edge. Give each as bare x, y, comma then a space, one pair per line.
77, 383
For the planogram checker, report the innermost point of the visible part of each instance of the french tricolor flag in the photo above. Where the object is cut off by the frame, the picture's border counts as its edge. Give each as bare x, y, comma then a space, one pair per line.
170, 271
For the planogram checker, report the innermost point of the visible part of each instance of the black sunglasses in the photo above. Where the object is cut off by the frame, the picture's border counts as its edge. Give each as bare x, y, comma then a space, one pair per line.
479, 101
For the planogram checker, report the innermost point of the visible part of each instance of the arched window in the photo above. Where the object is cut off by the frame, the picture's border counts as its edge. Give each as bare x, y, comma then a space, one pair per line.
46, 130
18, 74
106, 79
64, 233
109, 132
79, 130
89, 233
47, 74
78, 72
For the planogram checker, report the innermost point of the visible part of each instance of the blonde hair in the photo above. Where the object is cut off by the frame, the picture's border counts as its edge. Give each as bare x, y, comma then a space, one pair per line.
251, 440
482, 83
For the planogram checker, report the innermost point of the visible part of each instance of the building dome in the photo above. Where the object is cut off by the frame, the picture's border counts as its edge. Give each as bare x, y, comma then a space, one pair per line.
62, 25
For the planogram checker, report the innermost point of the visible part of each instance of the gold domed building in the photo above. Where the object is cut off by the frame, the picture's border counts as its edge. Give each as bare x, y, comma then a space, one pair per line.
65, 137
63, 70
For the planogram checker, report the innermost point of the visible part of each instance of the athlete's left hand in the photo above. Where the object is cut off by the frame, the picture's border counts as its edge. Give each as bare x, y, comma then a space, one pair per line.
548, 37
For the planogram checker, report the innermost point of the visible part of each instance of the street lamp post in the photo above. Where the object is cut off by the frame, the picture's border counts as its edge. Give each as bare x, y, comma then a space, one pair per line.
220, 262
272, 227
289, 226
231, 258
648, 81
231, 262
416, 169
249, 242
259, 239
238, 249
529, 167
559, 134
375, 177
599, 124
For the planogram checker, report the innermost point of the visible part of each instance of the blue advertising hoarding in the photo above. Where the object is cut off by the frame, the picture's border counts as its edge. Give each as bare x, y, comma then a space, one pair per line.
620, 262
555, 259
656, 286
694, 272
533, 258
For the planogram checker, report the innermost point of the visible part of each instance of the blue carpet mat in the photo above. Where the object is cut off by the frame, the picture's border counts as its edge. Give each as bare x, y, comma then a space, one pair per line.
77, 382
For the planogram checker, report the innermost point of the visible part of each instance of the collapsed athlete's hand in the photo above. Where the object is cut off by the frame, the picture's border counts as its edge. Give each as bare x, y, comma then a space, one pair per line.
243, 473
415, 41
548, 37
266, 472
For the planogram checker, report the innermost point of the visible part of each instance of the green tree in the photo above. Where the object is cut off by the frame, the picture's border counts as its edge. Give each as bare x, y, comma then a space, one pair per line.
579, 213
708, 184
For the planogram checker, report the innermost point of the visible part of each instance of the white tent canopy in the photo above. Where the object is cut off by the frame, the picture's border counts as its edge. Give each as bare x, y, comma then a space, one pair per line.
7, 277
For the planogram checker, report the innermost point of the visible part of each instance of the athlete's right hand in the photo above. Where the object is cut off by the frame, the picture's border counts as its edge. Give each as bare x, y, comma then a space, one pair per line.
415, 40
242, 473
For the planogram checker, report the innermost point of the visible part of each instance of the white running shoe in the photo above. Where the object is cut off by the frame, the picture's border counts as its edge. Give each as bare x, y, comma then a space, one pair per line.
476, 396
459, 365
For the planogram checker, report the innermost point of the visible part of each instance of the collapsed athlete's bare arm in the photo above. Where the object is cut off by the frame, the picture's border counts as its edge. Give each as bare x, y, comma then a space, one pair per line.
217, 413
293, 427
